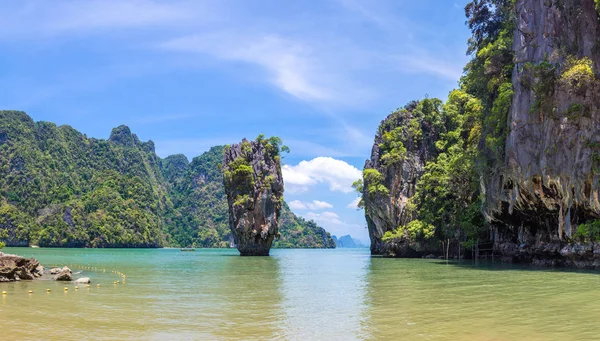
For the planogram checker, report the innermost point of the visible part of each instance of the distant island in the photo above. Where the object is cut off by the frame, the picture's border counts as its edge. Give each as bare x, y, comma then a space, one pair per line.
60, 188
348, 242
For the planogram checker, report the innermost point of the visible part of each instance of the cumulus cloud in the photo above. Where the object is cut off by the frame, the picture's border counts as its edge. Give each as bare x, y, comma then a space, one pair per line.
314, 205
338, 174
324, 218
354, 203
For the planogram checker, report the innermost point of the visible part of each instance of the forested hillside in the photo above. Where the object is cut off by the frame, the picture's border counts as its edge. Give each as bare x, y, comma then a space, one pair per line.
60, 188
200, 215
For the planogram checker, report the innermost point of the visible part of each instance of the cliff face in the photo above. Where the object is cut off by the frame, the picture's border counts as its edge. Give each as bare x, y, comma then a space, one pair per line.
549, 182
386, 207
254, 188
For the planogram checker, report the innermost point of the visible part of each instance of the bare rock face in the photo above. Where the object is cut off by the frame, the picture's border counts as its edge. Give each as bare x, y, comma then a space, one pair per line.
386, 209
254, 188
15, 268
550, 178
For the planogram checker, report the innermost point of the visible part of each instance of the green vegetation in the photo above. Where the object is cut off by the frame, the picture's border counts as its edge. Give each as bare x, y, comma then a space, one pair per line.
578, 74
374, 179
446, 202
59, 188
392, 147
296, 232
488, 74
414, 230
461, 142
544, 82
588, 232
239, 175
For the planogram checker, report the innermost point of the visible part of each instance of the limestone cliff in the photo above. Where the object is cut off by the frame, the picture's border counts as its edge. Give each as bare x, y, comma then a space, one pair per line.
254, 188
550, 177
391, 174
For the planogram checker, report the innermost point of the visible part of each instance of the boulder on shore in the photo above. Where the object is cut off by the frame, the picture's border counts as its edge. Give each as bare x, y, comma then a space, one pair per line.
15, 268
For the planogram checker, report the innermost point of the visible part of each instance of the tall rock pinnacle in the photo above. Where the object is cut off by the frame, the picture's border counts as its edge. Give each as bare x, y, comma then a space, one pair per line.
254, 188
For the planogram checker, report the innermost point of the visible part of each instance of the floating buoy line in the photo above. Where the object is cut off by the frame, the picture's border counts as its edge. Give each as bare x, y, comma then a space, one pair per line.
121, 275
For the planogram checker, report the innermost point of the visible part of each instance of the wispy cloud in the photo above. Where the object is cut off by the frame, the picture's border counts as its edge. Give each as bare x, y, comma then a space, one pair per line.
289, 64
419, 64
354, 203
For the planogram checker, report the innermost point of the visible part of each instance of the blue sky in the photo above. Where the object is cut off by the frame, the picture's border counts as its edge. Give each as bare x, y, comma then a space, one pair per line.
191, 74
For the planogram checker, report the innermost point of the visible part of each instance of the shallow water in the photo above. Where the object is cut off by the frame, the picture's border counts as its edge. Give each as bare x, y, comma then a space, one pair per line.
296, 295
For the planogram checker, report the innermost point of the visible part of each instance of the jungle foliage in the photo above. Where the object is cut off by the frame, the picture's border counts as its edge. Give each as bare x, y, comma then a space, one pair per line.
462, 140
59, 188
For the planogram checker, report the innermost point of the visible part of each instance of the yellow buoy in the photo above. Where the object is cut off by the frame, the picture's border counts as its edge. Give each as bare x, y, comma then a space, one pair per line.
31, 291
47, 290
66, 289
76, 288
4, 293
98, 285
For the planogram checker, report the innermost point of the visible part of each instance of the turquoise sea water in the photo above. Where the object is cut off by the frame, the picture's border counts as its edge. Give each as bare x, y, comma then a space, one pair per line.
296, 295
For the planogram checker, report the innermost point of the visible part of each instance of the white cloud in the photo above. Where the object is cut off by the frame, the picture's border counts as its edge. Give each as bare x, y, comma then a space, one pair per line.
290, 64
354, 203
338, 174
324, 218
314, 205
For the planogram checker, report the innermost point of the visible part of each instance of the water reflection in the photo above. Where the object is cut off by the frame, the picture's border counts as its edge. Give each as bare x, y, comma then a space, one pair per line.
324, 293
249, 289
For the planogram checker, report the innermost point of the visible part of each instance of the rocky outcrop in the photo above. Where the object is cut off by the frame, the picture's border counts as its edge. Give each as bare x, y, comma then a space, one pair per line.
65, 274
386, 208
15, 268
254, 188
550, 177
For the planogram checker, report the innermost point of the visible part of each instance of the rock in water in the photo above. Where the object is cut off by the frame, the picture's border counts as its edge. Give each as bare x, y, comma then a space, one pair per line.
15, 268
83, 280
64, 275
254, 188
389, 182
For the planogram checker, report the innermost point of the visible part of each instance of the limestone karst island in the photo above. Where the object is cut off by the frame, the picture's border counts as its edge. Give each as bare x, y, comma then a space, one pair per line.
309, 170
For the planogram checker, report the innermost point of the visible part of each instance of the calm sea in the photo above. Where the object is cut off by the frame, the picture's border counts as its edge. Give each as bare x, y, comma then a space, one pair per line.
342, 294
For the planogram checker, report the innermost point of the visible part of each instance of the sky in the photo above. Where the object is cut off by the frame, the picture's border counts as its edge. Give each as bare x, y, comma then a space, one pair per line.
191, 74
